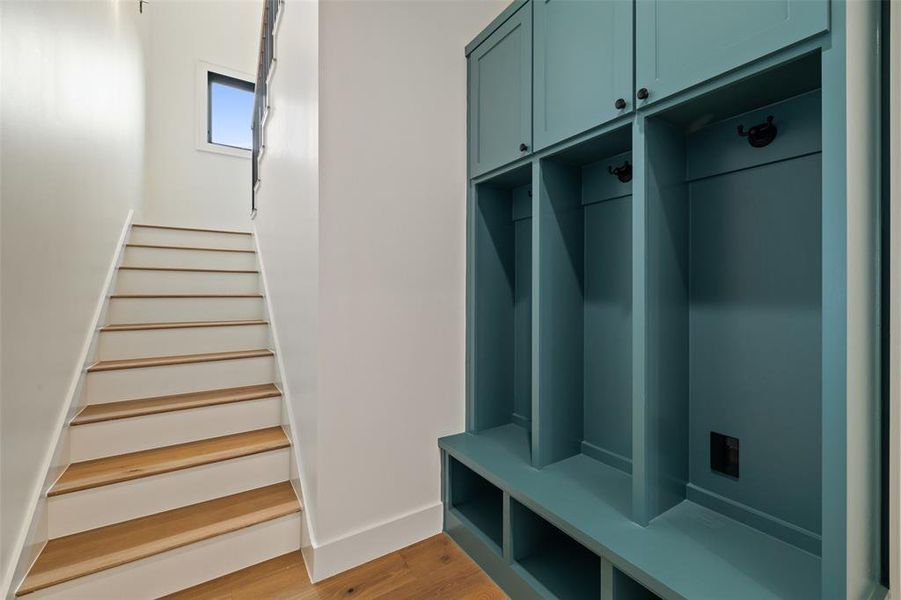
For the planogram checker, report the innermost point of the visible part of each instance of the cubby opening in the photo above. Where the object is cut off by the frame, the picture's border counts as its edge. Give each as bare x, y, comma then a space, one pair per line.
734, 303
626, 588
567, 569
585, 273
501, 358
477, 501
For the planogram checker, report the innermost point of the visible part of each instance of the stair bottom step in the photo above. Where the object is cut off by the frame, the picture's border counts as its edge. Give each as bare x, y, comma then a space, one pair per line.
281, 578
167, 546
184, 567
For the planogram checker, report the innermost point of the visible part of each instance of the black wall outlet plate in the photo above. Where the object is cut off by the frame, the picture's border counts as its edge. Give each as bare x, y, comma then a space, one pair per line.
724, 454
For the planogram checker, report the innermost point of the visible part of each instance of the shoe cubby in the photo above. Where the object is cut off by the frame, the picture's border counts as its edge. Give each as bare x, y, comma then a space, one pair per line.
623, 587
477, 502
501, 315
554, 563
734, 311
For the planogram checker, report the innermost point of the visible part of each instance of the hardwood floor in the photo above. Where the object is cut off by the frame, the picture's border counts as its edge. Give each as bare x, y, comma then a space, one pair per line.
432, 569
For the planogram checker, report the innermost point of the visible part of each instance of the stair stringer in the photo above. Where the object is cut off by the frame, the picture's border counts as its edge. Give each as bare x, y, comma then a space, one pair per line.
298, 473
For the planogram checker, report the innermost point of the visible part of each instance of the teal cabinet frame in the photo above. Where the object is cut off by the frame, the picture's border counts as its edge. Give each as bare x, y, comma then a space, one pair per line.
500, 94
680, 43
667, 523
583, 66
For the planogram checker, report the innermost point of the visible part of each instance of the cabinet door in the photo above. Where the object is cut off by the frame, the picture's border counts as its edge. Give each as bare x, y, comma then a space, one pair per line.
500, 95
583, 65
680, 43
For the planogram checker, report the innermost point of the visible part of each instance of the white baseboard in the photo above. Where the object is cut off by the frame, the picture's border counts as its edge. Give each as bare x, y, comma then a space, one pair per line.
364, 545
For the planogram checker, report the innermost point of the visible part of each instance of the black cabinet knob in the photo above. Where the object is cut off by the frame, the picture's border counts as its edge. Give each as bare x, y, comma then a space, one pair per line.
620, 103
642, 94
523, 147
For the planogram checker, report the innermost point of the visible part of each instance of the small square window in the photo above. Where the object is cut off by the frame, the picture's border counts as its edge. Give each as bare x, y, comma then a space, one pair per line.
230, 111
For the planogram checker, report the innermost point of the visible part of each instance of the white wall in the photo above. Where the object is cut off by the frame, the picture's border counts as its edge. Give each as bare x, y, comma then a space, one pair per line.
287, 226
389, 348
187, 186
71, 149
392, 251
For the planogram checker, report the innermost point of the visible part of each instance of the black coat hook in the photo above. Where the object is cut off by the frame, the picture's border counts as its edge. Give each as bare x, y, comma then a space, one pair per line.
623, 173
760, 135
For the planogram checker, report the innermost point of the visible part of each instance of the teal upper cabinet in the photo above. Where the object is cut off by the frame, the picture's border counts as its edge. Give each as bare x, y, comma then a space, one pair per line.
500, 94
680, 43
583, 66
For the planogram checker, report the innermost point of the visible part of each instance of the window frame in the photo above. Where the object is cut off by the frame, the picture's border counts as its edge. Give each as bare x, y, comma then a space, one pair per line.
207, 73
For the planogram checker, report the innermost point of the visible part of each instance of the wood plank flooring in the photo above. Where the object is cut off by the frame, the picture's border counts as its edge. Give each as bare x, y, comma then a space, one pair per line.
434, 569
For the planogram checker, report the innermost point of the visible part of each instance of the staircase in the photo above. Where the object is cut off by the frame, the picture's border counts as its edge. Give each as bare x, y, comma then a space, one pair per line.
178, 465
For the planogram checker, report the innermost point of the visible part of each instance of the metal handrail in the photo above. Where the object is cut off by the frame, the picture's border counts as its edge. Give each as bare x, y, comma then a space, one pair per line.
271, 10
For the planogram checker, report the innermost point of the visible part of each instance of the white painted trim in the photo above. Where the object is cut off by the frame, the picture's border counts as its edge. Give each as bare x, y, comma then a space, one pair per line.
29, 535
201, 107
361, 546
298, 479
894, 43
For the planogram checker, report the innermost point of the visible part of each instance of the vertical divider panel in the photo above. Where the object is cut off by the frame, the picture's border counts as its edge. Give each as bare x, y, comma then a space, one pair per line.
639, 322
559, 268
606, 579
508, 533
664, 419
469, 363
536, 315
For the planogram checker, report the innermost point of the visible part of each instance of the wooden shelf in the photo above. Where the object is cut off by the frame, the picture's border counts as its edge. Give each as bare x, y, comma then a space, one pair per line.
73, 556
135, 465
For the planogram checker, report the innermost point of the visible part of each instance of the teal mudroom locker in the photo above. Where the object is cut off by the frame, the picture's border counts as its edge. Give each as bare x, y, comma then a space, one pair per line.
672, 301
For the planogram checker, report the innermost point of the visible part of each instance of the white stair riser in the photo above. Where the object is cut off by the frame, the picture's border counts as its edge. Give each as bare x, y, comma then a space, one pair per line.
188, 259
189, 340
147, 382
179, 237
108, 504
121, 436
160, 310
184, 567
186, 282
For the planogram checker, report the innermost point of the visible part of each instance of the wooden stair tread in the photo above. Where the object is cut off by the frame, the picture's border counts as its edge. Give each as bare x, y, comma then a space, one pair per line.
110, 411
184, 359
188, 270
135, 465
201, 248
132, 296
180, 325
80, 554
230, 231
